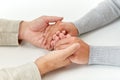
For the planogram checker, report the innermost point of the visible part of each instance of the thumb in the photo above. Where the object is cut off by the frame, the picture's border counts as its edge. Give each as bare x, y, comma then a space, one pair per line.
70, 50
42, 22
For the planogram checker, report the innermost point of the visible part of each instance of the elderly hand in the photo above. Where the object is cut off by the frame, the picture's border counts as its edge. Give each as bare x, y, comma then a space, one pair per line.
56, 59
82, 54
68, 28
33, 31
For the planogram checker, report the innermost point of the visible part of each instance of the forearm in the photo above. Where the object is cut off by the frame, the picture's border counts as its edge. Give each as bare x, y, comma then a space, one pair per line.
25, 72
105, 55
105, 13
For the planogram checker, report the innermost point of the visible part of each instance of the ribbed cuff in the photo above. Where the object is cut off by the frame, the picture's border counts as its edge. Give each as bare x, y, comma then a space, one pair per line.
105, 55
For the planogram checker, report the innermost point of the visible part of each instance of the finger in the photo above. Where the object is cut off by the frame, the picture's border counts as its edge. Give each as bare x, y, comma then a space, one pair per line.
70, 50
58, 32
54, 36
49, 34
64, 32
52, 18
68, 36
61, 36
53, 30
46, 35
56, 40
52, 43
63, 41
74, 59
40, 42
62, 47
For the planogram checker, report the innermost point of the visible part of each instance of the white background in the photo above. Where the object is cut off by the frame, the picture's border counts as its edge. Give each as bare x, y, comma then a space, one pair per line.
71, 10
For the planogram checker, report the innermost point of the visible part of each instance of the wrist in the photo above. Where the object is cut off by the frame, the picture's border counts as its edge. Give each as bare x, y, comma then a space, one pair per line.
22, 28
87, 54
76, 32
85, 50
42, 67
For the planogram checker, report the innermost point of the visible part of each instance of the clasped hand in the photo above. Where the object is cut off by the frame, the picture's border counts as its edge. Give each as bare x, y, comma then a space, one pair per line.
60, 36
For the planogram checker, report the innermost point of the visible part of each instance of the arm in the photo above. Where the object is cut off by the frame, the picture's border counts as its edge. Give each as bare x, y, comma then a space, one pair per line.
13, 31
42, 65
105, 13
87, 54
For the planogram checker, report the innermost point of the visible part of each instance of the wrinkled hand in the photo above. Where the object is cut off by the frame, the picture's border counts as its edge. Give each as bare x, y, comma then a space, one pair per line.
82, 54
33, 31
56, 59
68, 28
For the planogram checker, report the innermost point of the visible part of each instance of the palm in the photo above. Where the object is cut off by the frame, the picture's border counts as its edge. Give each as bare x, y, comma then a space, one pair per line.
35, 37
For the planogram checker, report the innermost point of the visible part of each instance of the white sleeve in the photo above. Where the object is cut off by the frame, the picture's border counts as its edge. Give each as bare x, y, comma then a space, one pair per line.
9, 30
25, 72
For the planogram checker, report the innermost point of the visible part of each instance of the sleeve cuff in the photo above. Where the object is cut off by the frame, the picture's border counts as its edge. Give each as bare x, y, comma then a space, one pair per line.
77, 26
9, 32
105, 55
27, 71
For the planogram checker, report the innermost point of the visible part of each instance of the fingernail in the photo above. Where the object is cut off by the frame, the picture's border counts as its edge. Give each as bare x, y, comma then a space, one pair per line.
61, 35
64, 32
68, 35
58, 32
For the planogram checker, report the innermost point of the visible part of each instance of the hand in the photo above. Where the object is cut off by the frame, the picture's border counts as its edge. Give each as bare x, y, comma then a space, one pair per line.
56, 59
33, 31
68, 27
82, 54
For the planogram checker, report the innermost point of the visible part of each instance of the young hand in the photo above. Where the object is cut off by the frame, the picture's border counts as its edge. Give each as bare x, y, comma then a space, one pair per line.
56, 59
82, 54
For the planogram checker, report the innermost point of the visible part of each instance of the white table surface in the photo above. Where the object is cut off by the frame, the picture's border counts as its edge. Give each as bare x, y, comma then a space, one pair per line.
71, 10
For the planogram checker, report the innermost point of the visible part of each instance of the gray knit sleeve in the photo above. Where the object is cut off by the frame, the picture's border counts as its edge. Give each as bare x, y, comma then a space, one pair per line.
105, 55
105, 13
